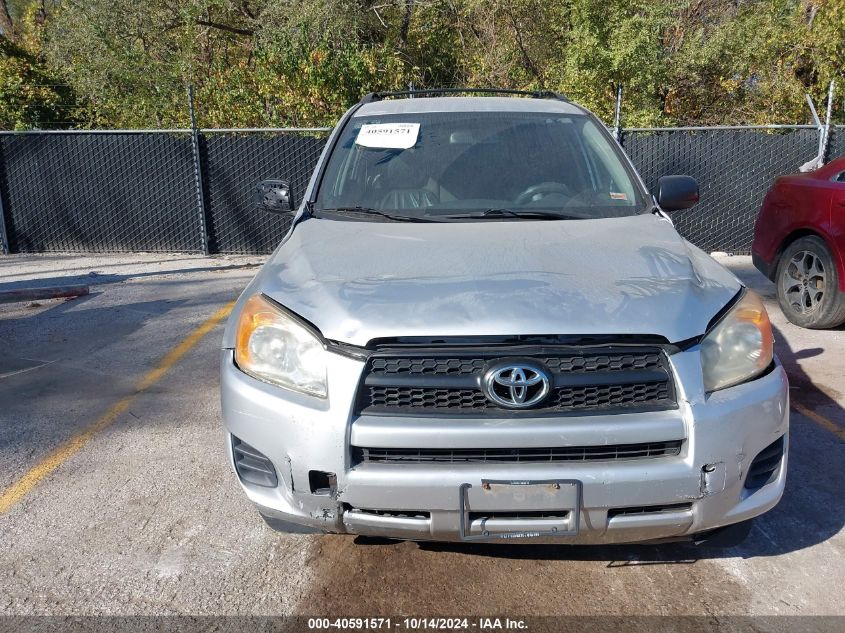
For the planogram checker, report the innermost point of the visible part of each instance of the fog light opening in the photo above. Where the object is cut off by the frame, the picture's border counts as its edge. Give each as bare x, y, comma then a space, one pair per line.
765, 468
253, 466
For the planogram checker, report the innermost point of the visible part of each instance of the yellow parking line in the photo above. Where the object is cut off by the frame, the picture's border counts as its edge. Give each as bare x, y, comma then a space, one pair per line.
70, 447
827, 425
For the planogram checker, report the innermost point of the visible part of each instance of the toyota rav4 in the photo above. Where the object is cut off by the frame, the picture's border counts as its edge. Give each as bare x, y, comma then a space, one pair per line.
482, 326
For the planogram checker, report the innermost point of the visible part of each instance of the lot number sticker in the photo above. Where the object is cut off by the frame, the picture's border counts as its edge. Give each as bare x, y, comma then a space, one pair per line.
388, 135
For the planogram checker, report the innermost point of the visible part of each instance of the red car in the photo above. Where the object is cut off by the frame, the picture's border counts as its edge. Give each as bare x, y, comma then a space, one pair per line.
799, 243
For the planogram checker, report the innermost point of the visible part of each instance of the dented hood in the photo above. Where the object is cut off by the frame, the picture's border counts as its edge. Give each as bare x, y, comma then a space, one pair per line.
359, 281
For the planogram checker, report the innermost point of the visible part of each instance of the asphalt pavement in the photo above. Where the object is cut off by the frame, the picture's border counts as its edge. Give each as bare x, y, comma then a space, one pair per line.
116, 497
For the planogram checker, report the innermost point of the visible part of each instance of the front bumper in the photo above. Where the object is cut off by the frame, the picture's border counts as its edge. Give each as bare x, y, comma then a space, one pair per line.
700, 489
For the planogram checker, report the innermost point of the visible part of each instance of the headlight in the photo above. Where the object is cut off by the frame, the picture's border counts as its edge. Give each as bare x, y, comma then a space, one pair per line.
272, 346
739, 347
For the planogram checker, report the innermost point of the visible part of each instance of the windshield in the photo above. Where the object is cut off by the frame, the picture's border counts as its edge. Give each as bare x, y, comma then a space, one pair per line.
473, 163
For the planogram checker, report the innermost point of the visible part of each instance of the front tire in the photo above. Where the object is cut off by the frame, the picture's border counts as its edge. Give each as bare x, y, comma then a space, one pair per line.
808, 285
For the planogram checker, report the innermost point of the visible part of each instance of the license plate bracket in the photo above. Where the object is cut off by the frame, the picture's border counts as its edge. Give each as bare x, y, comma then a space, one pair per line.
568, 490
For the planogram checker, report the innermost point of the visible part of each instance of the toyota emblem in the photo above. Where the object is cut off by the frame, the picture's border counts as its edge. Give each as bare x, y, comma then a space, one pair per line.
516, 386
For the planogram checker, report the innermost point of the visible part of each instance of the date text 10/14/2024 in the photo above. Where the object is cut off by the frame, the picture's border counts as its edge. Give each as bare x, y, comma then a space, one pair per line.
416, 624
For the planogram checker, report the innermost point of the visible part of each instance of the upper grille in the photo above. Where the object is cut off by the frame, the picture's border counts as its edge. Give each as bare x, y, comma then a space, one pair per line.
610, 395
426, 398
445, 382
561, 399
462, 366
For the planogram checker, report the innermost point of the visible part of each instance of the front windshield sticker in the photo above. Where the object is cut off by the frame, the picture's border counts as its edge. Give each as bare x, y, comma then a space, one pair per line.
618, 196
388, 135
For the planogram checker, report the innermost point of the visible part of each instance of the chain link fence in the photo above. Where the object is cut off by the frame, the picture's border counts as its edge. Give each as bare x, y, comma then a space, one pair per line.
233, 162
160, 191
734, 168
99, 192
837, 141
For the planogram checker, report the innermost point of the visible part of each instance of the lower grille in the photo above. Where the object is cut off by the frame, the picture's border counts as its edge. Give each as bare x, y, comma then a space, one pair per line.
640, 510
520, 455
520, 514
765, 467
396, 514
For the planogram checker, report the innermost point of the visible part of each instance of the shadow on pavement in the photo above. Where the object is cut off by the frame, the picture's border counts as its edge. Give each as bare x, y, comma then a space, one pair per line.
67, 361
96, 279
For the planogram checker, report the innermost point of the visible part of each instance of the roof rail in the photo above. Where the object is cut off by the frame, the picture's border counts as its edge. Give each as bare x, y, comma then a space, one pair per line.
536, 94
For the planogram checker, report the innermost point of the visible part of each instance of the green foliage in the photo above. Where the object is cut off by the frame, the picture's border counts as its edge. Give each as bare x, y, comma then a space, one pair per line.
124, 63
31, 94
304, 81
618, 43
26, 98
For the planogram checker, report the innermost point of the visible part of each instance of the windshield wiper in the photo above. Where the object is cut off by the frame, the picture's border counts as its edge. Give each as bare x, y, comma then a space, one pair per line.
527, 214
378, 212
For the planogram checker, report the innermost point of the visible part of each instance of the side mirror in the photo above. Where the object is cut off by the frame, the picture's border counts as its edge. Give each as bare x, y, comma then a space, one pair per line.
275, 196
676, 192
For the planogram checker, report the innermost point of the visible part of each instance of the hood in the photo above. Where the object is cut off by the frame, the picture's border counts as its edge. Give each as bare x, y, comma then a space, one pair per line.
359, 281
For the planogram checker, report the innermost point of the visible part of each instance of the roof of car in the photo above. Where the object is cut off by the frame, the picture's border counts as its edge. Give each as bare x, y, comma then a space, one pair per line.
467, 104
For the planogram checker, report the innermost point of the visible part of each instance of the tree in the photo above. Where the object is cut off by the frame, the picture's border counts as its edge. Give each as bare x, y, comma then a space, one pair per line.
281, 63
32, 95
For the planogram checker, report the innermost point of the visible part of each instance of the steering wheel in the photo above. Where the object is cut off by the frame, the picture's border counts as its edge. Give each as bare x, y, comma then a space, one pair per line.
542, 190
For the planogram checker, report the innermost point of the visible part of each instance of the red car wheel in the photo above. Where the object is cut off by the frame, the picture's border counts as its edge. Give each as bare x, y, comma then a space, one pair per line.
808, 285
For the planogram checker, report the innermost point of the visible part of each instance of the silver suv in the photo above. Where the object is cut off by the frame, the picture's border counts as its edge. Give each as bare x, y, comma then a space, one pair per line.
482, 326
